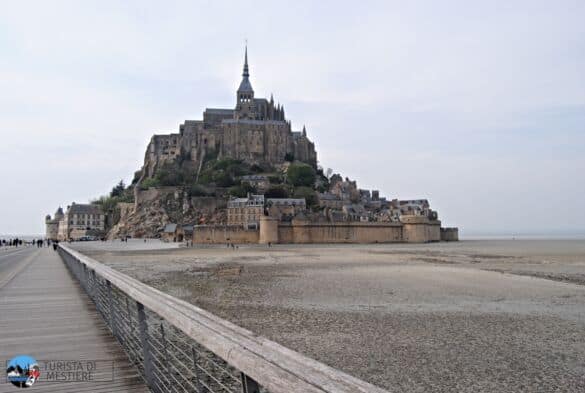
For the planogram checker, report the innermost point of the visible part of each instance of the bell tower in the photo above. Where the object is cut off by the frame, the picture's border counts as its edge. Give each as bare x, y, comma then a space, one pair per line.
245, 107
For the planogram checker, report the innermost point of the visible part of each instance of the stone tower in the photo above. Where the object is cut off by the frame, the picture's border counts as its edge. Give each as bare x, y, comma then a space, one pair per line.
52, 224
245, 106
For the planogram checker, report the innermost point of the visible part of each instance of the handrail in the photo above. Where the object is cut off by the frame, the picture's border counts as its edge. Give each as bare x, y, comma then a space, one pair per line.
271, 365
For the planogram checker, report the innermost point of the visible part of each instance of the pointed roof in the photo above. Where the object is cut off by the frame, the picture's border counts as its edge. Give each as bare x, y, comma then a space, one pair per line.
245, 85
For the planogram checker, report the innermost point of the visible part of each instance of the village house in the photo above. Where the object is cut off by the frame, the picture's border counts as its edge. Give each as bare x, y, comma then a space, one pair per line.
285, 209
330, 200
245, 211
81, 220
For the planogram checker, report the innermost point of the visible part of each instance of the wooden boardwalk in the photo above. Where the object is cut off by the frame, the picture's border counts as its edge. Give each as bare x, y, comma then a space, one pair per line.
45, 313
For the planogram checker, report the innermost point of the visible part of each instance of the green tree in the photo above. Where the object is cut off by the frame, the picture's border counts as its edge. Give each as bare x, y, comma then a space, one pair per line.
118, 189
307, 193
169, 174
277, 191
223, 179
301, 175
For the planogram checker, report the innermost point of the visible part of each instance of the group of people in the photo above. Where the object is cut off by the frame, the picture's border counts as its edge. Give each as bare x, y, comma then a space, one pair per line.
41, 243
11, 242
16, 242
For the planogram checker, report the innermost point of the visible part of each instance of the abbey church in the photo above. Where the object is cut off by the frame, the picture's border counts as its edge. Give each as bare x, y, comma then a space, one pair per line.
255, 131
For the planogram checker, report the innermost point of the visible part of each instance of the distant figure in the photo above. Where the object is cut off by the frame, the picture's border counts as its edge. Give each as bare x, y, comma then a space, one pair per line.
55, 244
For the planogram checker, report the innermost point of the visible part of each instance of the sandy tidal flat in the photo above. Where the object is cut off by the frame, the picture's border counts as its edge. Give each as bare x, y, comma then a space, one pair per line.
476, 316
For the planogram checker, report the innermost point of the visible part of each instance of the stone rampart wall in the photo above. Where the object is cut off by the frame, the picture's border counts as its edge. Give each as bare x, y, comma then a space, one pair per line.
449, 234
224, 234
271, 231
350, 232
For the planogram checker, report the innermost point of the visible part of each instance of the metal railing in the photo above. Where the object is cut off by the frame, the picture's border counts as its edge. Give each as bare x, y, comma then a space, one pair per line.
178, 347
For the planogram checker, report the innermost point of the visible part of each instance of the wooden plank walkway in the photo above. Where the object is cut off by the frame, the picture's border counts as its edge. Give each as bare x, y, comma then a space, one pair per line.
45, 313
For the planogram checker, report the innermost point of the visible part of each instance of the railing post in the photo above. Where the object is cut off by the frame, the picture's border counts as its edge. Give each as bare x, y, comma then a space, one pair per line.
112, 311
84, 275
129, 315
164, 343
249, 385
197, 371
81, 275
142, 324
94, 287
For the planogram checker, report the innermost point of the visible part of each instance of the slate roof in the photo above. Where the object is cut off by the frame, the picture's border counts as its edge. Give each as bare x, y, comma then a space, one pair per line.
245, 86
286, 201
170, 228
219, 111
81, 208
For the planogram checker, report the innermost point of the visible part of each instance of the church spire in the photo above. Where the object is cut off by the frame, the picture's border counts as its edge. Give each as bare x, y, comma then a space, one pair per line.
245, 90
246, 73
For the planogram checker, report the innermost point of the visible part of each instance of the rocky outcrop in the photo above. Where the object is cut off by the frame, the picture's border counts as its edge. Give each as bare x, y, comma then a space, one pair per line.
156, 207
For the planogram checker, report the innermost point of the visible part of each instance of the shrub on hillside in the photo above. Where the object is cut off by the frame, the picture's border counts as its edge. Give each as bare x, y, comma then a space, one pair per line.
301, 175
307, 193
277, 191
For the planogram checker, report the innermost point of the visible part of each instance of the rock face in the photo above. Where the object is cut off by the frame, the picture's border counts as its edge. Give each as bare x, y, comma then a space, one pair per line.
156, 207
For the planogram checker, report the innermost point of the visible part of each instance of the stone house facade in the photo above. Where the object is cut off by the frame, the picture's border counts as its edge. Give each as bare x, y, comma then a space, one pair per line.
245, 212
78, 221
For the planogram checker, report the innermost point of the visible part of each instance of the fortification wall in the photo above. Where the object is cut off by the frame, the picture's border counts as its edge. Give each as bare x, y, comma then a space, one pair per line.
268, 230
416, 230
450, 234
350, 232
419, 229
224, 234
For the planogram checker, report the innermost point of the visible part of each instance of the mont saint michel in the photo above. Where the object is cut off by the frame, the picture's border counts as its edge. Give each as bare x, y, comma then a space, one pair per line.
292, 197
243, 175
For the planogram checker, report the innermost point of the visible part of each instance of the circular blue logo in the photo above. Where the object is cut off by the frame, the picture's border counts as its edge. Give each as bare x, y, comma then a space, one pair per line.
23, 371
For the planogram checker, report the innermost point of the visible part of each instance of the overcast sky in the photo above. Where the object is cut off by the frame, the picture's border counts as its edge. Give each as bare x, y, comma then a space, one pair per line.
477, 106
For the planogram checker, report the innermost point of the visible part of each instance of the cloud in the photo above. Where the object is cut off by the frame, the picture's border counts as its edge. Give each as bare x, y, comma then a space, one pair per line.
480, 107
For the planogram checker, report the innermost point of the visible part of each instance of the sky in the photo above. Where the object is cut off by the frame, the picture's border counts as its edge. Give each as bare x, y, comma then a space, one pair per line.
477, 106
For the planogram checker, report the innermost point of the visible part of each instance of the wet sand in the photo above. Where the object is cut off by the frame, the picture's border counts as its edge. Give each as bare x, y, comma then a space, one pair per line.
477, 316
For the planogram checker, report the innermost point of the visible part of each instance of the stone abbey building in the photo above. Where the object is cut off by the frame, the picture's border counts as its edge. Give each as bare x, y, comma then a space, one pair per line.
256, 131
